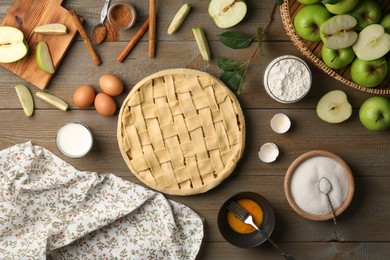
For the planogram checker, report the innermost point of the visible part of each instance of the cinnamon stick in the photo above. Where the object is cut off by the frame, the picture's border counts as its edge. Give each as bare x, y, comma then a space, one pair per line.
133, 41
87, 41
152, 28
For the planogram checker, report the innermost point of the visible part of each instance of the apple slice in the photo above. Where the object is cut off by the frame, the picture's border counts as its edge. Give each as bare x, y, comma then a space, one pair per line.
338, 32
52, 28
25, 98
227, 13
202, 42
334, 107
13, 46
179, 18
43, 58
52, 100
373, 43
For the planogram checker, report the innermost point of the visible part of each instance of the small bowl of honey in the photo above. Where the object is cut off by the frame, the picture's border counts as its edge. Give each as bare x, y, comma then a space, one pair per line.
240, 234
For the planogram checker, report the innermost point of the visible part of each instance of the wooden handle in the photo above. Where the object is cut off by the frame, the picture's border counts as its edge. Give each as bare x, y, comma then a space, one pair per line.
152, 28
133, 41
87, 41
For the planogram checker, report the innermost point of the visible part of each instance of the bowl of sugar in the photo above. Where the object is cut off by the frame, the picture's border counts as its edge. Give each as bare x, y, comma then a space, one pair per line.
302, 185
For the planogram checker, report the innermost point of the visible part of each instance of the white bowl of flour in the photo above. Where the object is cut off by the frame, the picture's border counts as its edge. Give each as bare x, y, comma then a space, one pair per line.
301, 185
287, 79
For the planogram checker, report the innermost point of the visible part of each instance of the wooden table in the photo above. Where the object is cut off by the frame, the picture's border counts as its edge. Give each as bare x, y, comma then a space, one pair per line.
365, 224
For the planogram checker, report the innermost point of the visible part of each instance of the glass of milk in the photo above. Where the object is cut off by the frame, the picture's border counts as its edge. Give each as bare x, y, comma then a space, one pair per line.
74, 140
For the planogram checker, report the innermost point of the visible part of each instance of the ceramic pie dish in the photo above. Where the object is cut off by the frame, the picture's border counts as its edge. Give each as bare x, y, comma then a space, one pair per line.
312, 50
181, 131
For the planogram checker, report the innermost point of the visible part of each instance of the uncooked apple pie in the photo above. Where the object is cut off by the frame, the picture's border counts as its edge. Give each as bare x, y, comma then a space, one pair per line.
181, 131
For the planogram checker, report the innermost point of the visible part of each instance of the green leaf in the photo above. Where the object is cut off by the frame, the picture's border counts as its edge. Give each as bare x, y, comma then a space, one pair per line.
331, 2
233, 80
279, 2
228, 64
235, 40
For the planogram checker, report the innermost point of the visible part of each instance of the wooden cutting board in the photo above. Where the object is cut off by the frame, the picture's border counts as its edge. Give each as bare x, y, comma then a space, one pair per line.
25, 15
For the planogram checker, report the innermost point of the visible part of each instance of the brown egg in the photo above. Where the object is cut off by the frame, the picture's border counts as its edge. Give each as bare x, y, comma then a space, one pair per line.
111, 84
84, 96
105, 105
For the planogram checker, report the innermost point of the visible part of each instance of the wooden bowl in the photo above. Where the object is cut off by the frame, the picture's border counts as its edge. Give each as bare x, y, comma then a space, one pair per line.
312, 50
290, 172
254, 238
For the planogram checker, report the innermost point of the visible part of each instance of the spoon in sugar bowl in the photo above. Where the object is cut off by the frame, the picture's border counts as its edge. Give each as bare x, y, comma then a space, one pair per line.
99, 31
325, 187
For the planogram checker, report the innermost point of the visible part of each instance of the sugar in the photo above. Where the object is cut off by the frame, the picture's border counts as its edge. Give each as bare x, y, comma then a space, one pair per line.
305, 185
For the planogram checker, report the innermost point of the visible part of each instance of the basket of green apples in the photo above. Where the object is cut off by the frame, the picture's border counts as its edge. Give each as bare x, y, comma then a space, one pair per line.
347, 39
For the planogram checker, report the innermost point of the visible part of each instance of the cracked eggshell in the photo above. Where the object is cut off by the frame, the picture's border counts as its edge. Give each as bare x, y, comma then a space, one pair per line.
268, 152
280, 123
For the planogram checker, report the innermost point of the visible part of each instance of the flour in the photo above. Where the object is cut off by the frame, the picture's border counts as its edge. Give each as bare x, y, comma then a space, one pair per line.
287, 79
305, 185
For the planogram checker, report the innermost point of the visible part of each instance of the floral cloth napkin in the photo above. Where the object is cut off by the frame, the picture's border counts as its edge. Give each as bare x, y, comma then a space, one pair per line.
49, 209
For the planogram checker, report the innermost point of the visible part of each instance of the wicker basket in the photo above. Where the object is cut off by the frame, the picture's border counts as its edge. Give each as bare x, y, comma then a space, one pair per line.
312, 50
181, 131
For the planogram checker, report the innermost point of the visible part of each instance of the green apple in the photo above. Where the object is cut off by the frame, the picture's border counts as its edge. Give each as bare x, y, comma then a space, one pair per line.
372, 43
334, 107
369, 73
337, 59
385, 22
227, 13
308, 20
13, 46
342, 7
366, 12
43, 58
374, 113
388, 65
309, 2
338, 31
25, 98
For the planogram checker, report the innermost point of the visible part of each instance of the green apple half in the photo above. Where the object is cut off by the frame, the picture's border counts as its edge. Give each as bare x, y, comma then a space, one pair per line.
372, 43
13, 46
369, 73
227, 13
366, 12
374, 113
334, 107
342, 6
338, 31
308, 20
337, 59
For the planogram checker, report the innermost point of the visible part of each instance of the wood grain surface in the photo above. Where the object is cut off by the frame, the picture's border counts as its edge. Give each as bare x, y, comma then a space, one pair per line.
365, 223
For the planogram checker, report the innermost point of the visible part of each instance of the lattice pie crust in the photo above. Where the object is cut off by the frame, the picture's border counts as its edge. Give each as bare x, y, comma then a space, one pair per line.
181, 131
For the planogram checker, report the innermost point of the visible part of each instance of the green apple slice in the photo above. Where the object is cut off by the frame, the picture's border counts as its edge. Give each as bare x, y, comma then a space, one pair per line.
202, 42
43, 58
227, 13
52, 28
13, 46
52, 100
179, 18
372, 43
338, 31
25, 98
334, 107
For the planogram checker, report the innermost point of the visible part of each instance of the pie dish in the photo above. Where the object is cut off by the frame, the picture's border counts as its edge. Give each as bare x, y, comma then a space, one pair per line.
181, 131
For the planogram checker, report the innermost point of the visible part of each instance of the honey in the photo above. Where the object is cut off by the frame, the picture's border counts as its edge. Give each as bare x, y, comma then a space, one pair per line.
254, 209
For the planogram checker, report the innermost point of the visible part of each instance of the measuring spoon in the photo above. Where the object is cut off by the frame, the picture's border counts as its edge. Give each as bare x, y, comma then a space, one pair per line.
325, 187
99, 31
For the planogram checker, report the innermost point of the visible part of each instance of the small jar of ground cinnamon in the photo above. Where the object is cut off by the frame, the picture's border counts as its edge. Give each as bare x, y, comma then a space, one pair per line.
122, 15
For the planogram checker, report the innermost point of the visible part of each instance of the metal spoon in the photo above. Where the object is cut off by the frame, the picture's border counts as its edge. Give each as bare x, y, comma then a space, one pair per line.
99, 31
325, 187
